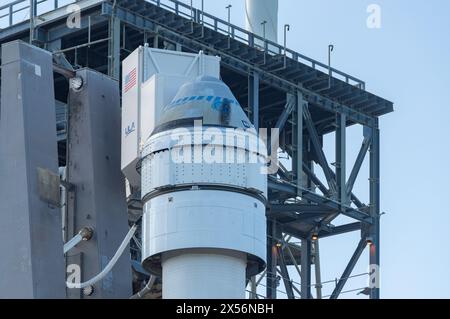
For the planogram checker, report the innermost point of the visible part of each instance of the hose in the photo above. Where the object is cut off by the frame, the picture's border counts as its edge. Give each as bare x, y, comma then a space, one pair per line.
145, 290
110, 265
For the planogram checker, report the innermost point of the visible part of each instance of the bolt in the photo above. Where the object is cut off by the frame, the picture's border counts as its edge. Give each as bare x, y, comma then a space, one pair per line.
86, 233
88, 291
76, 83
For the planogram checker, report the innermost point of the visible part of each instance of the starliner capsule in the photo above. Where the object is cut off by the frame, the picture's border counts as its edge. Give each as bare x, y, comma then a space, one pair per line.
204, 191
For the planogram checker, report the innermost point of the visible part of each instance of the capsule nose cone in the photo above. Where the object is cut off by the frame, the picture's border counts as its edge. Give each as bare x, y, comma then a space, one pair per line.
207, 99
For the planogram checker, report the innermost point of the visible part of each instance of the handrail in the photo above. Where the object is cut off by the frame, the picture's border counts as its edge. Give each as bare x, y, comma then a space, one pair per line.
249, 38
211, 21
11, 8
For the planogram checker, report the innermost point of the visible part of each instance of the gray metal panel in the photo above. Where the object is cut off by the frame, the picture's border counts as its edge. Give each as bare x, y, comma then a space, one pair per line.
94, 170
30, 229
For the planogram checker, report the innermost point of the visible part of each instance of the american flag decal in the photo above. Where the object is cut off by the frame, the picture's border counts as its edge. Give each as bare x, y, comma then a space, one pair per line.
130, 80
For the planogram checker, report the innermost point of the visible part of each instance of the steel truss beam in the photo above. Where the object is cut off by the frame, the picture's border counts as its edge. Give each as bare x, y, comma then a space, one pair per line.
309, 195
348, 270
325, 191
281, 122
315, 139
302, 208
358, 163
288, 108
285, 275
295, 218
338, 230
327, 231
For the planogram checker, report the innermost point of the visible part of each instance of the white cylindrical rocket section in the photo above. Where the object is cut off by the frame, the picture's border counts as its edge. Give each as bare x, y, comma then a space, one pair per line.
204, 191
207, 274
258, 11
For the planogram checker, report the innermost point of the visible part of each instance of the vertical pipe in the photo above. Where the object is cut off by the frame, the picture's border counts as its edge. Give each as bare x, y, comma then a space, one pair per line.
63, 176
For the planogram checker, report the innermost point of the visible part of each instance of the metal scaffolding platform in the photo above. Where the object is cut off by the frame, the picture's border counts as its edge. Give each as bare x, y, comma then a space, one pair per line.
280, 88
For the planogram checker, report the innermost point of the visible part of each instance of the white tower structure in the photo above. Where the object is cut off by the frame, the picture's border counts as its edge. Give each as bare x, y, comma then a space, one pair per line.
261, 18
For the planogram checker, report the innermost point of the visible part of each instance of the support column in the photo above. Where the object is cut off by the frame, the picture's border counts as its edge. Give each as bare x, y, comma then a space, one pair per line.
297, 158
340, 158
271, 277
253, 288
31, 245
317, 270
374, 230
114, 47
94, 170
253, 98
306, 269
33, 11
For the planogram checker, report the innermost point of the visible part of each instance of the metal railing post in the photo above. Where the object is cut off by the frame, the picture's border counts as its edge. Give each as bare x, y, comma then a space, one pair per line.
287, 27
228, 7
10, 15
330, 72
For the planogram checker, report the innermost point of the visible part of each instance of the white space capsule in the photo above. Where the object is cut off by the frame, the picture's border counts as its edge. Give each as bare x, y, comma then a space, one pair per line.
204, 191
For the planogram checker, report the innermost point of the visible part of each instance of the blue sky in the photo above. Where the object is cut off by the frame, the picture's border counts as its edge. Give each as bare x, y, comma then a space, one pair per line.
406, 61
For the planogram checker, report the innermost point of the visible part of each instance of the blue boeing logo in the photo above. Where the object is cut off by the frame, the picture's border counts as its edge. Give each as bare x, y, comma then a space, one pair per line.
130, 129
215, 101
